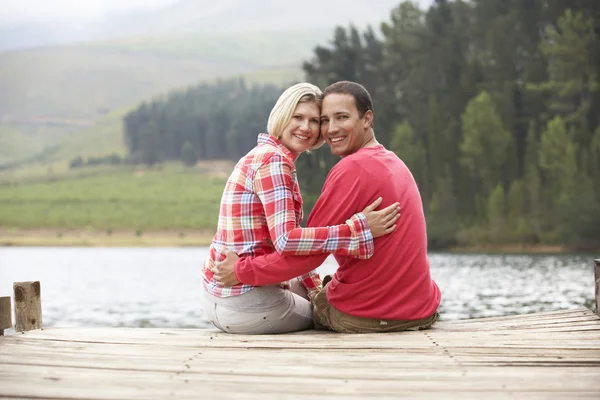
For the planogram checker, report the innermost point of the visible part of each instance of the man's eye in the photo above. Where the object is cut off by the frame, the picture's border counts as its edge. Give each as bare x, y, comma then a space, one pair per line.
315, 121
343, 117
324, 121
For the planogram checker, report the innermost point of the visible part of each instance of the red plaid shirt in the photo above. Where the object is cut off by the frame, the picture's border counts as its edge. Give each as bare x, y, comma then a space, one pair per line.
261, 212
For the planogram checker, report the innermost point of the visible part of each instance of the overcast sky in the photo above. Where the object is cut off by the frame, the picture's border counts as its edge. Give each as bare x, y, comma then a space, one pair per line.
71, 11
16, 11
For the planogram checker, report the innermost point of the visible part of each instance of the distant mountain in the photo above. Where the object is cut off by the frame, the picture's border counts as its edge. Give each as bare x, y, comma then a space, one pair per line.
65, 93
58, 78
204, 16
85, 81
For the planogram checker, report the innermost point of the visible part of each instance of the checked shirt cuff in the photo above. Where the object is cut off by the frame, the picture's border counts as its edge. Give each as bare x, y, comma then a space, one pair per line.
360, 230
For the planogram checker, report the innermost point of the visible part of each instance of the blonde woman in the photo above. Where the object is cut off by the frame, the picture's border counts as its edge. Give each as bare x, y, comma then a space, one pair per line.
260, 213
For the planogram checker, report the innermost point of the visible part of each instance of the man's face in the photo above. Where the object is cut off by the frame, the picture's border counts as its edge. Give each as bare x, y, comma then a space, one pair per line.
341, 126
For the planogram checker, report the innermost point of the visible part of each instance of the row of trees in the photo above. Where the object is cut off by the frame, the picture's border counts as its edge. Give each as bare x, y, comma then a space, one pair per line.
493, 104
208, 121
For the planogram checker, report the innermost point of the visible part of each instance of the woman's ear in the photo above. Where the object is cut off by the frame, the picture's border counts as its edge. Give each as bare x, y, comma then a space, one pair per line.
368, 117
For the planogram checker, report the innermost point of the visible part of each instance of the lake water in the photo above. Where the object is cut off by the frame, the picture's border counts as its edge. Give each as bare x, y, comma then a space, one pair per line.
160, 287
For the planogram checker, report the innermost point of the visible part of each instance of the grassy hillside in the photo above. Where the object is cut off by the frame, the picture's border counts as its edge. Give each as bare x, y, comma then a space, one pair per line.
49, 157
83, 82
20, 141
58, 103
126, 198
45, 151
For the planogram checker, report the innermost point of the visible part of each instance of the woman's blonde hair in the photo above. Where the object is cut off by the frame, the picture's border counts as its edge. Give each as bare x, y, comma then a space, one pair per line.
284, 108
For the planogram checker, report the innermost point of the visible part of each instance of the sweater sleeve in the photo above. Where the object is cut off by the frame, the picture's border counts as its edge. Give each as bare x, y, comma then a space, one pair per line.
273, 184
341, 196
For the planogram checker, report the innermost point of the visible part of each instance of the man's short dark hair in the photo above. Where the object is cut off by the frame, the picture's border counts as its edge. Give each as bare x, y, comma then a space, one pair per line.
362, 98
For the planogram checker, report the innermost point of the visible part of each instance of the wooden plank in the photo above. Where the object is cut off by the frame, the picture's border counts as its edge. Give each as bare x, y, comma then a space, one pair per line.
313, 340
281, 369
299, 380
212, 338
587, 316
582, 311
28, 306
5, 315
365, 367
585, 326
97, 353
202, 336
515, 322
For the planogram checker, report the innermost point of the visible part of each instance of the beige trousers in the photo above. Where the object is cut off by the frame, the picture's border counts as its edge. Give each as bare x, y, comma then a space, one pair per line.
262, 310
326, 316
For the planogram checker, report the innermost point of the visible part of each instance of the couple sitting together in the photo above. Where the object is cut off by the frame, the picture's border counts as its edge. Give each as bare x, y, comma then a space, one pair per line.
260, 276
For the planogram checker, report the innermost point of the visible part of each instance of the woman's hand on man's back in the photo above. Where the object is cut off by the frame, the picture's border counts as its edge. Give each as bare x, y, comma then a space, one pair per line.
382, 222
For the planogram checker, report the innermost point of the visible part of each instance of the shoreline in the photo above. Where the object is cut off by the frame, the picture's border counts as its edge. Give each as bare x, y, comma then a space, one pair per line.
93, 238
511, 249
200, 238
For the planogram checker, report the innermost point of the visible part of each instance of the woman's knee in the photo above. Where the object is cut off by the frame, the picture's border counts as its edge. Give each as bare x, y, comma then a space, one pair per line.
298, 288
293, 314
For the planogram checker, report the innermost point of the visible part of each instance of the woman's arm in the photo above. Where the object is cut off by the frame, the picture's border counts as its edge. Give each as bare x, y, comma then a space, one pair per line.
273, 184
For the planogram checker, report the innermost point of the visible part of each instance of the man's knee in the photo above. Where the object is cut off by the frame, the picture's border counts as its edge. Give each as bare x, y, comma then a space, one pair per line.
326, 316
321, 310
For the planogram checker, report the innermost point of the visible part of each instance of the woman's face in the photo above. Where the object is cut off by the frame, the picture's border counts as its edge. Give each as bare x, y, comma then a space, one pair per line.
303, 129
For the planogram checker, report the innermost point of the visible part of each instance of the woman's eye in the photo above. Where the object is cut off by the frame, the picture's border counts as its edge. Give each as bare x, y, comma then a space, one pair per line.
324, 121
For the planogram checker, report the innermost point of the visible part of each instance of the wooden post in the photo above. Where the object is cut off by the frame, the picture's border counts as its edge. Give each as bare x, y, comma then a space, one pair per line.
597, 281
5, 315
28, 306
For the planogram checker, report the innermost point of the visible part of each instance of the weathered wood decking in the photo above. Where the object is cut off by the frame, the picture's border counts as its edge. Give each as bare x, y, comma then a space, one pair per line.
537, 356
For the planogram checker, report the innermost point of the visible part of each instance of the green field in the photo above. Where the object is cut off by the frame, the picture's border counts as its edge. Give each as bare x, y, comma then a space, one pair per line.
151, 199
49, 156
21, 141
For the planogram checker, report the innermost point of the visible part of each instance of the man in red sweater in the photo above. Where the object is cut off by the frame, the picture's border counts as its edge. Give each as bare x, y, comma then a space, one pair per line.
391, 291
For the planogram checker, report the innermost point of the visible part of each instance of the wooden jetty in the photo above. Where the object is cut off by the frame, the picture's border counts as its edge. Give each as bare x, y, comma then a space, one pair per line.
549, 355
552, 355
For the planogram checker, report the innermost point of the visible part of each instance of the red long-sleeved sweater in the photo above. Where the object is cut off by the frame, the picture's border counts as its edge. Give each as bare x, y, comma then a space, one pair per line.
393, 284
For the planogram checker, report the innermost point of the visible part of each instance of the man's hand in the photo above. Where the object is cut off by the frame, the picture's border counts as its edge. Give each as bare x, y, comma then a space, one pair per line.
224, 270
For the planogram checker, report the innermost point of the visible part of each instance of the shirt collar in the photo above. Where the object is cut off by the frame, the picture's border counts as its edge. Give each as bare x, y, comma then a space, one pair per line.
265, 138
